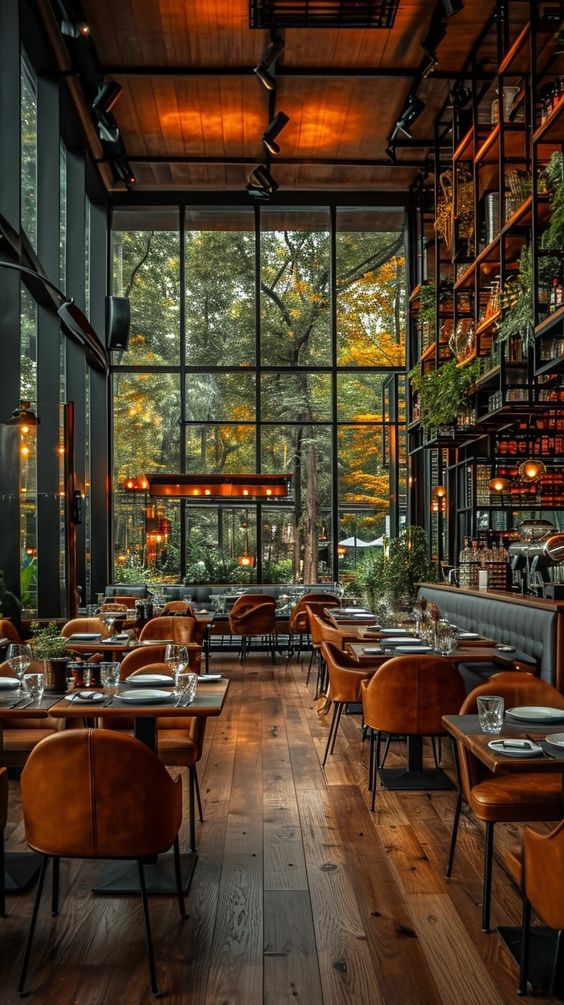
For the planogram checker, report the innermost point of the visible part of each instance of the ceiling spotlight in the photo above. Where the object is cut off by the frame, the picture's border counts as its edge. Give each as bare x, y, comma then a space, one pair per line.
75, 29
391, 153
107, 128
121, 170
498, 484
272, 130
261, 185
531, 470
411, 112
107, 96
452, 7
271, 55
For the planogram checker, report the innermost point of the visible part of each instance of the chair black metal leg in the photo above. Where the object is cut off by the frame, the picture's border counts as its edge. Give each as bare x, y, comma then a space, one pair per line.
55, 887
191, 808
198, 796
374, 784
148, 938
555, 964
337, 723
454, 834
178, 877
488, 862
2, 878
30, 934
437, 750
386, 749
371, 760
525, 941
273, 646
331, 728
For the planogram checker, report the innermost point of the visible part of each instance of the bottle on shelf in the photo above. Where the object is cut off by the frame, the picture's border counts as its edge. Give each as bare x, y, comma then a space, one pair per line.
464, 564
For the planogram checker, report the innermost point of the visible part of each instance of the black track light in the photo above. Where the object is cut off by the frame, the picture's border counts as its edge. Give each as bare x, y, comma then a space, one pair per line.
452, 7
271, 55
411, 112
107, 96
121, 170
75, 29
391, 153
273, 129
107, 128
261, 184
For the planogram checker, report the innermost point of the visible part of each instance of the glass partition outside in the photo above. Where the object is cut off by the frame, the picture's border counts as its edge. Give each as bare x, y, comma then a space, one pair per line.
276, 333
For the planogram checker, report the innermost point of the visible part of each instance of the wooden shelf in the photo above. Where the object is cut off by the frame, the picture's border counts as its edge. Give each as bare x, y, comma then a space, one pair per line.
552, 321
549, 366
507, 64
514, 142
552, 129
488, 323
490, 377
462, 148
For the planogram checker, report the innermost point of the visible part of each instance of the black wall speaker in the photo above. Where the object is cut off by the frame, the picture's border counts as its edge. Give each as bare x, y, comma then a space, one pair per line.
117, 323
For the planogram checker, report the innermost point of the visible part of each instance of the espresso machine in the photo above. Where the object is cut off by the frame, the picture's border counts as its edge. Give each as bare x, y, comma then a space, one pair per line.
537, 561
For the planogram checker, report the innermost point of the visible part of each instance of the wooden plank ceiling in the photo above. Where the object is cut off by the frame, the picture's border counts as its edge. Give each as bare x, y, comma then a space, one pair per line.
212, 117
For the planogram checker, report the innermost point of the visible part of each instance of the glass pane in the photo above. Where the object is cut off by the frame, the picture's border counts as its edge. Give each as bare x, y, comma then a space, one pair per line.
62, 216
371, 288
295, 397
212, 396
87, 256
220, 544
363, 479
146, 269
28, 346
146, 424
220, 447
359, 396
357, 530
29, 150
220, 287
295, 287
281, 562
305, 452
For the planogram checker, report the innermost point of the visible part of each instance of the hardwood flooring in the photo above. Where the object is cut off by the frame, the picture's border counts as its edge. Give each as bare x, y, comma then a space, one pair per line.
300, 894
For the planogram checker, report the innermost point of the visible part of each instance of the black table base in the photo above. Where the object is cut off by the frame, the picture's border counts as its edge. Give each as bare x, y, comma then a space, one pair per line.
403, 779
21, 870
541, 956
123, 876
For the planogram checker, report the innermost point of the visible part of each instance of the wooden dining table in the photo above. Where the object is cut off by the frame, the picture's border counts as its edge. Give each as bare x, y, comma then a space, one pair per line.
120, 876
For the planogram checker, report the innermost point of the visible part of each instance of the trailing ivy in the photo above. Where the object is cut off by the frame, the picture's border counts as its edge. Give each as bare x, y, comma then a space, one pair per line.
441, 392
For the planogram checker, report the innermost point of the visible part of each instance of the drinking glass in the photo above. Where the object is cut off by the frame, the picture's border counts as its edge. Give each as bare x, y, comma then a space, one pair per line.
177, 659
446, 638
19, 659
490, 713
34, 685
109, 676
185, 687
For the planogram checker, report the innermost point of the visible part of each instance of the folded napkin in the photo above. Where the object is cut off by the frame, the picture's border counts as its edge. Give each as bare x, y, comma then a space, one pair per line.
88, 695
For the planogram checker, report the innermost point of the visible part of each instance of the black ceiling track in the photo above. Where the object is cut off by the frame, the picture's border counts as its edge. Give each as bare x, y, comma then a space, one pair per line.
322, 13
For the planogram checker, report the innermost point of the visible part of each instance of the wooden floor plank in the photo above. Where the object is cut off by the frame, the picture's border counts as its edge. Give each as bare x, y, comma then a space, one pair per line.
300, 894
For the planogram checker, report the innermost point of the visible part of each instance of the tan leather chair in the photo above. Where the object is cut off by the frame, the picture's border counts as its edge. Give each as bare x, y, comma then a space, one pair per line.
9, 631
141, 657
84, 626
538, 869
298, 623
175, 606
126, 601
3, 820
409, 695
345, 680
21, 735
98, 794
253, 615
178, 630
323, 631
511, 798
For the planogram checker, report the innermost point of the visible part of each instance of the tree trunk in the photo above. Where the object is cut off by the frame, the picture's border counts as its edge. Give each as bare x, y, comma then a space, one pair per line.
309, 461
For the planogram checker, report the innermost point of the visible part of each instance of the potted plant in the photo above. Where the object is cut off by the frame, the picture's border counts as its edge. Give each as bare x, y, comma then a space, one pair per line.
50, 648
394, 573
441, 392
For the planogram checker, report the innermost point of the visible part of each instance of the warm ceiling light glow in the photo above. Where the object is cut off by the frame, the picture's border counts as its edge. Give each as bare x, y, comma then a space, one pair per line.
245, 492
129, 484
195, 492
531, 470
439, 492
498, 484
207, 492
269, 492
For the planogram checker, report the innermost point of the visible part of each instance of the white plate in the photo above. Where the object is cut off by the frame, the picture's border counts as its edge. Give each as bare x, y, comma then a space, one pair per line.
372, 649
6, 682
413, 649
146, 696
505, 649
536, 713
155, 642
394, 631
557, 739
402, 640
469, 635
95, 698
531, 751
209, 676
352, 610
150, 680
84, 637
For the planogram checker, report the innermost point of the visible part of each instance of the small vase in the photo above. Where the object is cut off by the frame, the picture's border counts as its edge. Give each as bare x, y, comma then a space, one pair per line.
55, 671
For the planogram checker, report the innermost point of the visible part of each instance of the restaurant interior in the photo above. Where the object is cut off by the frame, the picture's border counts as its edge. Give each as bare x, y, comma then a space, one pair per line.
282, 497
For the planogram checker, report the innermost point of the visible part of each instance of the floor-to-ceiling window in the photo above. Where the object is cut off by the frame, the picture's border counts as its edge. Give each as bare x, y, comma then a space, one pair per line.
265, 342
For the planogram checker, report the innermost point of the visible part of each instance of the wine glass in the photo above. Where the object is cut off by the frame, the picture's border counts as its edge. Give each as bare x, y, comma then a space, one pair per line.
177, 659
19, 658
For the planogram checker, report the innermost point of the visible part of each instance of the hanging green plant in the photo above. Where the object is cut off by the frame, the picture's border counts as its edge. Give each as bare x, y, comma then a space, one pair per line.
441, 392
553, 237
427, 299
517, 317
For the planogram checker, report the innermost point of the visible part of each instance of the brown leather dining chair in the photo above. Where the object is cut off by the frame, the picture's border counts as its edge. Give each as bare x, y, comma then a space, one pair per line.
408, 695
298, 622
177, 607
179, 630
253, 615
538, 869
8, 630
345, 686
3, 821
85, 626
98, 794
509, 798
